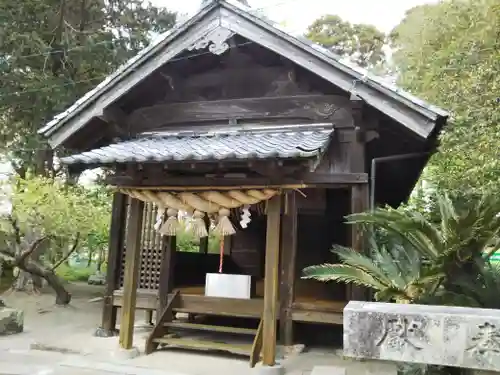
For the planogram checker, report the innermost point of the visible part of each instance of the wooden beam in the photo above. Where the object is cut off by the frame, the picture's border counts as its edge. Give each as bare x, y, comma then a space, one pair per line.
228, 244
115, 250
359, 203
203, 248
166, 272
163, 317
232, 307
271, 281
238, 75
177, 42
288, 260
149, 317
319, 108
359, 193
114, 114
413, 116
179, 183
256, 346
132, 265
117, 119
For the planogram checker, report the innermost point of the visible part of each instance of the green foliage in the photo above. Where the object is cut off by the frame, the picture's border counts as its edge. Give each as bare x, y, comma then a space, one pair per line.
361, 43
413, 259
52, 52
186, 241
50, 208
449, 54
73, 274
396, 272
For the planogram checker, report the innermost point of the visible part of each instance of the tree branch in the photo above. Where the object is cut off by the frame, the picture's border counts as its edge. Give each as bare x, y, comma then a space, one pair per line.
34, 246
73, 249
5, 255
17, 230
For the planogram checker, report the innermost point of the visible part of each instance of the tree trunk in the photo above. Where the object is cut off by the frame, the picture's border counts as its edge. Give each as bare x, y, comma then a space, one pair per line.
30, 269
27, 260
25, 278
63, 297
21, 280
100, 259
91, 256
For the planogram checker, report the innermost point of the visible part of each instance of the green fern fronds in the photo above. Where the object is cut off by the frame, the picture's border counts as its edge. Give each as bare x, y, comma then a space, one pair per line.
342, 273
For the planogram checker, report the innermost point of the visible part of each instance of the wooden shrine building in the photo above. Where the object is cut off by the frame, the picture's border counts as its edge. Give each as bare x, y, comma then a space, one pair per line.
264, 138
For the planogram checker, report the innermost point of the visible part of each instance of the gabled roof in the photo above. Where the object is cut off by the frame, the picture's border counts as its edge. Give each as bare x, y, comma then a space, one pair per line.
277, 143
220, 15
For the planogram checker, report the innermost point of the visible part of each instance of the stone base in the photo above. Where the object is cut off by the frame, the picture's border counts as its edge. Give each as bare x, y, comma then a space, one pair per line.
11, 321
101, 332
380, 368
123, 354
268, 370
368, 368
97, 279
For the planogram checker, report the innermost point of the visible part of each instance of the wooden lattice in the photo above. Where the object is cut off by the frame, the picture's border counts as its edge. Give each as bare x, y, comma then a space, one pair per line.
151, 248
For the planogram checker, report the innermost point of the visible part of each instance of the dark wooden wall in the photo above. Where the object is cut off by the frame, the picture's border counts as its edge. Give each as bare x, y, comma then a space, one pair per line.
321, 224
317, 232
247, 247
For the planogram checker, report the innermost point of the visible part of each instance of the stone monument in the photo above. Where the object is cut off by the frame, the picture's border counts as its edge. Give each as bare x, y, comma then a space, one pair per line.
434, 335
11, 320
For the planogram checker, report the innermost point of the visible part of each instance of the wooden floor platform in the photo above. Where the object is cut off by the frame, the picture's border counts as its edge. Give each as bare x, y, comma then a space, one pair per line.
306, 308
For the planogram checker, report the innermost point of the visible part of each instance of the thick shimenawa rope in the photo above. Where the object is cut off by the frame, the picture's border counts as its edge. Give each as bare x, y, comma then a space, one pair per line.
199, 204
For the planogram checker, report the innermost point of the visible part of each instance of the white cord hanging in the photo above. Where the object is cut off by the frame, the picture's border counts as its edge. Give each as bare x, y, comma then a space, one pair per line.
159, 218
246, 216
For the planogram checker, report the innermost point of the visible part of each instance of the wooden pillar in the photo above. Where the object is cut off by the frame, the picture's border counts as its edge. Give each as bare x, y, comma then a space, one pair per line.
115, 250
132, 266
228, 244
271, 281
359, 192
148, 317
359, 203
204, 241
166, 273
288, 267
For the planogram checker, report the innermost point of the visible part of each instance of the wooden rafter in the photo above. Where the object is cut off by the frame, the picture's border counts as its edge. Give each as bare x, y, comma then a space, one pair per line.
227, 182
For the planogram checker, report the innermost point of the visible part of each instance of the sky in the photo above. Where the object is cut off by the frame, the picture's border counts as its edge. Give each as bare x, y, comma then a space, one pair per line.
296, 15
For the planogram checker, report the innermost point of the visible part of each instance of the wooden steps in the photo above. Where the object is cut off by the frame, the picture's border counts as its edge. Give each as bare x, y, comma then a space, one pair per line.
199, 336
205, 344
211, 328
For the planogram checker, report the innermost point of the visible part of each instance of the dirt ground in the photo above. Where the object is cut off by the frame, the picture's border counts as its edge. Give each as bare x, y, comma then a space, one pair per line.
44, 321
67, 333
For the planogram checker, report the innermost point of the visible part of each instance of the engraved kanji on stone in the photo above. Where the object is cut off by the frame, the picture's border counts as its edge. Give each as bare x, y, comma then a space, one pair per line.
401, 332
486, 340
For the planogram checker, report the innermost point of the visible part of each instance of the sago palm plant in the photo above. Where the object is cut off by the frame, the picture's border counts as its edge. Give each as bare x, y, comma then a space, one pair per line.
396, 272
473, 290
421, 258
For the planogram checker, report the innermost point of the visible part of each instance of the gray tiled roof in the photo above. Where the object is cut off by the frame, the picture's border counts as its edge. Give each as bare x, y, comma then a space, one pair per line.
357, 73
282, 144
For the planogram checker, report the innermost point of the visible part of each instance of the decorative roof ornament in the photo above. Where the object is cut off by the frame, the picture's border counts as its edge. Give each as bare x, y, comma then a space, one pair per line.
215, 40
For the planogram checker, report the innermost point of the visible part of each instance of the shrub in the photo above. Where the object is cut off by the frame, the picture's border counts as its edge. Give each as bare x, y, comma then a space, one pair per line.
74, 273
